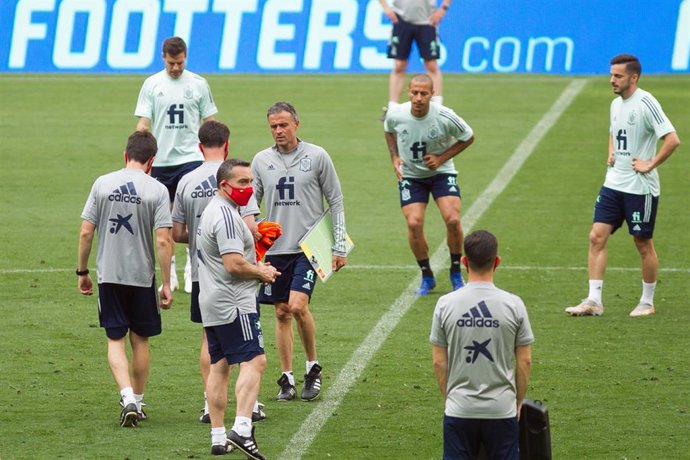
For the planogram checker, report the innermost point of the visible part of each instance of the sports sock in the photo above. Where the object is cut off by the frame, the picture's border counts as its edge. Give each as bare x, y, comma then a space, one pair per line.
188, 262
256, 406
595, 287
243, 426
310, 364
426, 268
648, 293
205, 404
455, 262
127, 396
290, 376
218, 436
139, 399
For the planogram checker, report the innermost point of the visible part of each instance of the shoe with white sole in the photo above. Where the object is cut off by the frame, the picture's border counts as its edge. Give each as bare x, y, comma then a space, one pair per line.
586, 308
643, 309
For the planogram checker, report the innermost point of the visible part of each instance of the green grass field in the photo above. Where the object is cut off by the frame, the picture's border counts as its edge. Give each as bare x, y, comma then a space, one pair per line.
616, 387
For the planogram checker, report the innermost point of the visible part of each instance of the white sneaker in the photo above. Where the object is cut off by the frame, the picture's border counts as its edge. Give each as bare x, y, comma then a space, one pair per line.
174, 284
586, 308
188, 279
643, 309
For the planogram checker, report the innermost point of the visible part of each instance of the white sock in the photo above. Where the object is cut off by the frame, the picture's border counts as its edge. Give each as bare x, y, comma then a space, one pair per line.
173, 273
437, 99
139, 399
205, 404
310, 364
243, 426
127, 396
188, 263
648, 293
256, 406
290, 376
595, 287
218, 436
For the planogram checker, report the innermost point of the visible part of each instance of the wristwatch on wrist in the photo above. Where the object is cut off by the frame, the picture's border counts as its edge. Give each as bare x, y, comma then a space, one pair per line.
82, 272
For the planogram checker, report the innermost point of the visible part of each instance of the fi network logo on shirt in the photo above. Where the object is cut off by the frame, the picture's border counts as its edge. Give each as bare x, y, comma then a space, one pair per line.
125, 193
478, 316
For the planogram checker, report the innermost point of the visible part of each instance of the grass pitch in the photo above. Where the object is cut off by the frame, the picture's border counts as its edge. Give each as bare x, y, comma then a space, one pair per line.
616, 387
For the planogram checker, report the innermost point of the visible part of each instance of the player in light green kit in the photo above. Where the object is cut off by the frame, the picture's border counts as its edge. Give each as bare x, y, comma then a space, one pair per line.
423, 138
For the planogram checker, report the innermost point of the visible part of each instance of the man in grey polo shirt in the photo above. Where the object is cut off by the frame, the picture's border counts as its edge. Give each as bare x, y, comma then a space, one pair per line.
481, 339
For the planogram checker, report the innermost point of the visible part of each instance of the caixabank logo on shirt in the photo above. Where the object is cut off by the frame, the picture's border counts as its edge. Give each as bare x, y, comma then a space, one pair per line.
125, 193
478, 316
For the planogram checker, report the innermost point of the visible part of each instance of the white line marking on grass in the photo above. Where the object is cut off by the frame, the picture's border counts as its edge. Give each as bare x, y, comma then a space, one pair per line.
303, 438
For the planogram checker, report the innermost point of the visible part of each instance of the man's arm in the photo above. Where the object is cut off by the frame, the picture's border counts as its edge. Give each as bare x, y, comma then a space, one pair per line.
210, 117
523, 367
86, 234
392, 143
235, 264
144, 124
440, 13
388, 11
434, 161
440, 360
670, 143
180, 232
612, 152
164, 249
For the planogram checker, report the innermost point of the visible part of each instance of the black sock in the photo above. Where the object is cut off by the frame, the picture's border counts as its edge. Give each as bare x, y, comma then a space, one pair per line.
426, 269
455, 263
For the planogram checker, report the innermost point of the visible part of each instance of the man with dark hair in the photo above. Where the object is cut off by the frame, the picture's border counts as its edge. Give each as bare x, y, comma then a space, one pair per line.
194, 192
172, 104
423, 138
414, 21
631, 189
228, 277
295, 177
481, 344
126, 207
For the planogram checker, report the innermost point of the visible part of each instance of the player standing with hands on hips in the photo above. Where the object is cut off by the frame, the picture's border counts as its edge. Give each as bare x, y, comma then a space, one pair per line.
631, 189
172, 104
294, 177
423, 138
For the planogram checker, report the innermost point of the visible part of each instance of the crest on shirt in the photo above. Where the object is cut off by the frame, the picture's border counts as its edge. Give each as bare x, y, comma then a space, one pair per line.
403, 136
305, 164
632, 117
188, 92
434, 132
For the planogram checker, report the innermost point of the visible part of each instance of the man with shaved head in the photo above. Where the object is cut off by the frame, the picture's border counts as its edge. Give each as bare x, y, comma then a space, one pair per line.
423, 137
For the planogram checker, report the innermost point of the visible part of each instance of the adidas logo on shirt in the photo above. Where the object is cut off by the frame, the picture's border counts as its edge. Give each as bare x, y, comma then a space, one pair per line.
478, 316
206, 189
125, 193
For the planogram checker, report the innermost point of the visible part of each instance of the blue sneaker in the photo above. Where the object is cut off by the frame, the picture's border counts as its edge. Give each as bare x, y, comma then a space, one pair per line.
427, 285
456, 280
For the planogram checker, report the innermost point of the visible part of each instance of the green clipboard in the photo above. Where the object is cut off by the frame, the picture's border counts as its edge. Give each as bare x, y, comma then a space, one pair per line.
317, 245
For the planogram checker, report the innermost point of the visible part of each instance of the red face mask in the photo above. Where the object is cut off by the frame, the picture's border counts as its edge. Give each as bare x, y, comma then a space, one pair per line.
239, 195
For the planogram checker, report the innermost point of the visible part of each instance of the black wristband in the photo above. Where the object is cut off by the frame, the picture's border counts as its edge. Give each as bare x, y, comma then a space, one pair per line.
82, 273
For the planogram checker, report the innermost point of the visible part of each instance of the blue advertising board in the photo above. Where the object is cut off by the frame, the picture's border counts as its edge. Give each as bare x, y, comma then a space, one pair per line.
283, 36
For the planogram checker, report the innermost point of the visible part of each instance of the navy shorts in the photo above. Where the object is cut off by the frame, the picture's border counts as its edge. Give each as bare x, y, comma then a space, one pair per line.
418, 190
463, 437
170, 175
404, 33
194, 309
238, 342
639, 211
122, 308
297, 274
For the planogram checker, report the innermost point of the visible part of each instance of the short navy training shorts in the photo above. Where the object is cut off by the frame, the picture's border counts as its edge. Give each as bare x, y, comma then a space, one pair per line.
639, 211
170, 175
463, 437
122, 308
238, 342
418, 190
404, 33
297, 274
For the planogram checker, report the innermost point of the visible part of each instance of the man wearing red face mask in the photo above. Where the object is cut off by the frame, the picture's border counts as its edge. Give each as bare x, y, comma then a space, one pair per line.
194, 192
228, 277
127, 207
